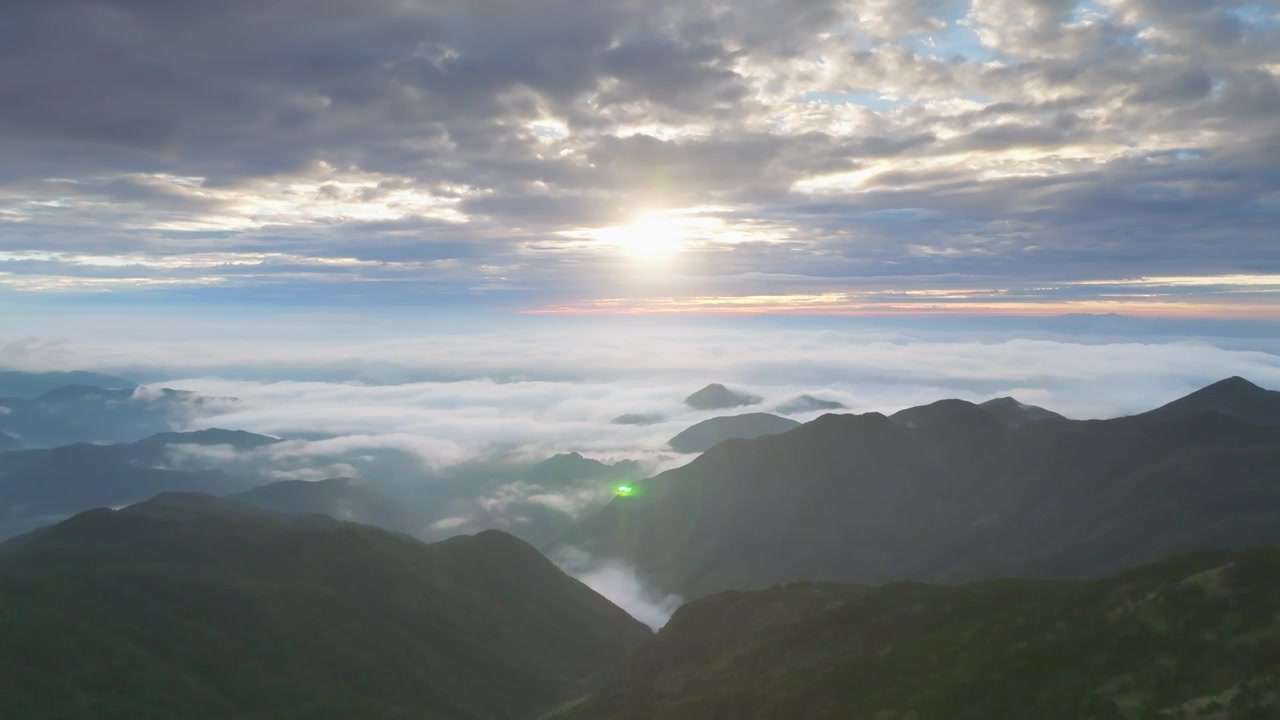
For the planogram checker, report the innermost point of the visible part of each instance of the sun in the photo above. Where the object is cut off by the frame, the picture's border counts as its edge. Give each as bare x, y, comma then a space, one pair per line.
651, 237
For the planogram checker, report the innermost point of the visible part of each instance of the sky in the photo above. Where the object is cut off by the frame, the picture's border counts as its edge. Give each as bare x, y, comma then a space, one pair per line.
534, 158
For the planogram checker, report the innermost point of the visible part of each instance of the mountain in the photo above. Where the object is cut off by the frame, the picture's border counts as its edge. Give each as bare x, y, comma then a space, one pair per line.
238, 439
341, 498
947, 493
8, 442
718, 397
708, 433
571, 469
1234, 397
1006, 410
544, 500
14, 383
85, 413
189, 606
1015, 413
45, 485
809, 403
946, 412
52, 484
637, 419
1191, 638
536, 502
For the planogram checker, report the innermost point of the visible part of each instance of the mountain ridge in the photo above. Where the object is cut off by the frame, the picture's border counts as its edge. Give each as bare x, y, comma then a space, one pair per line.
1185, 635
946, 492
268, 614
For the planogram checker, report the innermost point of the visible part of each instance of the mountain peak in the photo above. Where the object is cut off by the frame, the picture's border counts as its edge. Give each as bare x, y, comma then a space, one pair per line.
1234, 397
1235, 383
1015, 412
718, 397
708, 433
943, 411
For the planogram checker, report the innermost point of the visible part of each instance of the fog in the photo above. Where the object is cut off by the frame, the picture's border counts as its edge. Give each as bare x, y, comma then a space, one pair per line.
620, 583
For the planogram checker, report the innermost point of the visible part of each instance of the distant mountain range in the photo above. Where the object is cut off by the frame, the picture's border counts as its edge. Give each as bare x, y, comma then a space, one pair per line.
87, 413
637, 419
40, 486
809, 403
953, 492
14, 383
1192, 638
532, 500
193, 607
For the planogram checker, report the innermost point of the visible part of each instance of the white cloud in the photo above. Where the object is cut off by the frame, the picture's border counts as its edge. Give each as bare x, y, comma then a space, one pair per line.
449, 523
554, 387
620, 584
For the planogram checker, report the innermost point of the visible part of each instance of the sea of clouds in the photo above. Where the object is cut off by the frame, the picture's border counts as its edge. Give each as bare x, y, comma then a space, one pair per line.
465, 396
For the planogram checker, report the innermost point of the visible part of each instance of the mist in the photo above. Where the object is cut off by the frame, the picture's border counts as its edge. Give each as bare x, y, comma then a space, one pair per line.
620, 584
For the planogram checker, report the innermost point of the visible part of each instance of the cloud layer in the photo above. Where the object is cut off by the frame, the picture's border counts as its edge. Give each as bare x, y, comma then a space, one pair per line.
813, 155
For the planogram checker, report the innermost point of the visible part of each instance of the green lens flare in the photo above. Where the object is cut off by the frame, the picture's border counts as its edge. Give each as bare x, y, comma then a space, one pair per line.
626, 490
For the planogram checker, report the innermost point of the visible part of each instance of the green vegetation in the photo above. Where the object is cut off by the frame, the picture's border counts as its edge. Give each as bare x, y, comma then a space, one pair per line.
191, 607
1193, 639
953, 492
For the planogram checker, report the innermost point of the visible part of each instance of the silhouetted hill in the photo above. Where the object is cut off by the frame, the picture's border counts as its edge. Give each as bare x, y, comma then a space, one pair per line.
808, 403
1015, 413
1234, 397
188, 606
718, 397
238, 439
14, 383
945, 492
708, 433
1191, 638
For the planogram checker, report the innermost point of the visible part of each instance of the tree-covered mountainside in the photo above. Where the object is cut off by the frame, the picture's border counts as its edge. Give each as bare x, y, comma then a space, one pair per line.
708, 433
193, 607
948, 492
1197, 638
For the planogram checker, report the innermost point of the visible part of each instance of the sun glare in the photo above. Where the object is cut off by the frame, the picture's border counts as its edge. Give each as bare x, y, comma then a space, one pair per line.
652, 237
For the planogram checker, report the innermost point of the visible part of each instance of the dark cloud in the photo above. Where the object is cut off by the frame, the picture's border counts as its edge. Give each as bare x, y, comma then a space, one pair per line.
819, 143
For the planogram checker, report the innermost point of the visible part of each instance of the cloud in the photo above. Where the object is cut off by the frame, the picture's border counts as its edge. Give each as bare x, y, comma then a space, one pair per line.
450, 523
555, 386
469, 152
619, 584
